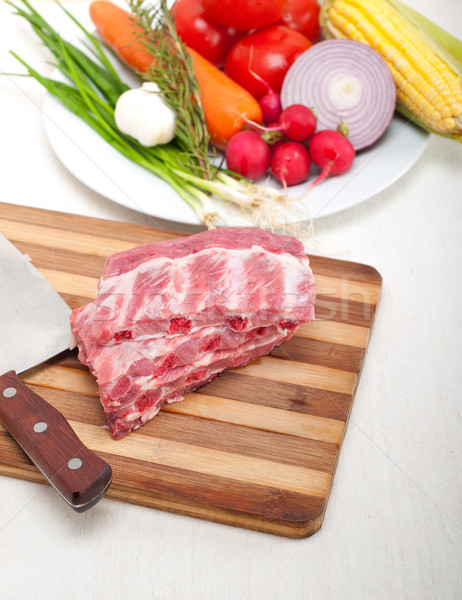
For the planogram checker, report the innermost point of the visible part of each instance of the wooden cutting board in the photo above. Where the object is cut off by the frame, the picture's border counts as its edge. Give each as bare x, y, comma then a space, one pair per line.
258, 446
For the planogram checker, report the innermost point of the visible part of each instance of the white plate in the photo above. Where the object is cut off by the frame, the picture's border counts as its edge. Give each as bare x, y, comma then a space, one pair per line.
94, 162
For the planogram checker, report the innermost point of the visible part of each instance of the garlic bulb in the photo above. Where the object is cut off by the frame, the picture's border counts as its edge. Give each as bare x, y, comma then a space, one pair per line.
143, 114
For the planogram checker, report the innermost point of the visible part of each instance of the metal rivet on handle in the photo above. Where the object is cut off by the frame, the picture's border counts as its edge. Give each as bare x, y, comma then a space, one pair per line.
9, 392
74, 464
40, 427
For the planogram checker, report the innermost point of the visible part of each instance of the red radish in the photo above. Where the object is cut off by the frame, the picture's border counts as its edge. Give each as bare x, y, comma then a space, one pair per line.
290, 163
297, 122
248, 155
270, 103
332, 152
270, 106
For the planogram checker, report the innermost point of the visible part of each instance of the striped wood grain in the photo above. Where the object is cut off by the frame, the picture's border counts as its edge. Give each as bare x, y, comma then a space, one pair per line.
258, 446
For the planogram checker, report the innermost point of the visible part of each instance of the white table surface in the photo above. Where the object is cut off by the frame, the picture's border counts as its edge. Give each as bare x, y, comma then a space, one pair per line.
393, 527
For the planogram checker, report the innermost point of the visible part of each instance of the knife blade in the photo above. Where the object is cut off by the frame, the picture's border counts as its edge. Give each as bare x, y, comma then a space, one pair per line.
35, 327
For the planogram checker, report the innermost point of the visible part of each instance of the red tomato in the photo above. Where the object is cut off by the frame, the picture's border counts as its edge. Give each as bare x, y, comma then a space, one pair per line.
244, 14
199, 32
303, 16
269, 53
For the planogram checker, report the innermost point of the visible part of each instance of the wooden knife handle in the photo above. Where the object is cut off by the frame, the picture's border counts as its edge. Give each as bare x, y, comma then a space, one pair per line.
81, 477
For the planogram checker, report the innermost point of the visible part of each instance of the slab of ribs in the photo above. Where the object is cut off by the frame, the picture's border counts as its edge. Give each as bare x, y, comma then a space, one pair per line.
171, 315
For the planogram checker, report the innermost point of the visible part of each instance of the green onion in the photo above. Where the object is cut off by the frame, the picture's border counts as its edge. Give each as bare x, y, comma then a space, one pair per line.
91, 94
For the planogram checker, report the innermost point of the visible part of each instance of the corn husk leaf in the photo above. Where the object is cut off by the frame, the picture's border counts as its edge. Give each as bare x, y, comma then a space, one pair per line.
445, 45
440, 41
324, 17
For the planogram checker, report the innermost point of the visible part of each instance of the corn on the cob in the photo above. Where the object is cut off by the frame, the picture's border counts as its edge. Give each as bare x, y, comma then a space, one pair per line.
427, 87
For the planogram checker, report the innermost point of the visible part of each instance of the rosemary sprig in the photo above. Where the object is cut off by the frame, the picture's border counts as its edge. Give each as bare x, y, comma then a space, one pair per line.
91, 93
173, 71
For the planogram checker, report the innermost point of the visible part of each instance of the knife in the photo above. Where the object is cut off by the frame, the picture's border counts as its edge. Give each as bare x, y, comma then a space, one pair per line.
34, 327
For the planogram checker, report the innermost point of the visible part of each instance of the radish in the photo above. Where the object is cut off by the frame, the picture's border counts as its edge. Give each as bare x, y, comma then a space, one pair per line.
270, 103
290, 163
346, 81
248, 155
297, 122
332, 152
270, 106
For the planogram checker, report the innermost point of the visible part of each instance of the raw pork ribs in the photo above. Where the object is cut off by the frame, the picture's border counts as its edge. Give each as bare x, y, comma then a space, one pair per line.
171, 315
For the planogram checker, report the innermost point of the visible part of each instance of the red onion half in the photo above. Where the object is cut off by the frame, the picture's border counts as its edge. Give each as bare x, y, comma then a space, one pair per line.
343, 80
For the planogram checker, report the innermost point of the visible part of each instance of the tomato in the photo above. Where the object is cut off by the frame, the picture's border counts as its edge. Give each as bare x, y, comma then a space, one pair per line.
303, 16
268, 52
244, 14
199, 32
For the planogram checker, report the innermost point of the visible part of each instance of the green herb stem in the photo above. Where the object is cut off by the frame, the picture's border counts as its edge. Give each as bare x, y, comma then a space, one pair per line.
92, 92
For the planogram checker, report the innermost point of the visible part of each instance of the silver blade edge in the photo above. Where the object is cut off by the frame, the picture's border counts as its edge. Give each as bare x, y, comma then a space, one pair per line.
34, 317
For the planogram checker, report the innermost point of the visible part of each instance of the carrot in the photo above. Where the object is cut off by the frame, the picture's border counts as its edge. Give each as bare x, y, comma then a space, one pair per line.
226, 104
117, 28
